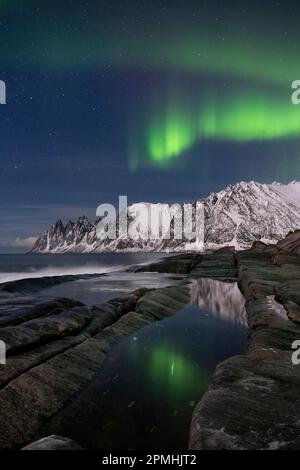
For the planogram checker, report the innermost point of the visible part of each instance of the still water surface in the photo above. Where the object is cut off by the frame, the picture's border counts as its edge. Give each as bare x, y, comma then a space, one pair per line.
146, 389
144, 393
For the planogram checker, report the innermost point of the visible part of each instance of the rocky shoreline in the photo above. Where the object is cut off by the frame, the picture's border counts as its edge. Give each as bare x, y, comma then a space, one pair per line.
55, 348
253, 400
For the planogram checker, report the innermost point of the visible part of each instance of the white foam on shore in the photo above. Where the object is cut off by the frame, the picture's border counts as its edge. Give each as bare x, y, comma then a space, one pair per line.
57, 271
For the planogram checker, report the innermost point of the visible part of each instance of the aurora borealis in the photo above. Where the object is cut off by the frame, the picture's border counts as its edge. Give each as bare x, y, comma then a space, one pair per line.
161, 101
237, 117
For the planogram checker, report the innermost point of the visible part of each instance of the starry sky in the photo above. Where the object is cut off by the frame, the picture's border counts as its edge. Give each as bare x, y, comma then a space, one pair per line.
161, 101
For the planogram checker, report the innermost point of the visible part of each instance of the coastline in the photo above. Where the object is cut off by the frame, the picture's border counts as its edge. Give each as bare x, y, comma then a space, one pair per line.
66, 343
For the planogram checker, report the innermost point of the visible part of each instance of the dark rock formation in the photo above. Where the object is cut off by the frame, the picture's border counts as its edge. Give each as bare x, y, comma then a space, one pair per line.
253, 400
55, 349
220, 265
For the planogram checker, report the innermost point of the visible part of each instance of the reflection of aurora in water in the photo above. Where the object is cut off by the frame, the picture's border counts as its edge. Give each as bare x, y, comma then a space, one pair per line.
178, 354
150, 382
179, 375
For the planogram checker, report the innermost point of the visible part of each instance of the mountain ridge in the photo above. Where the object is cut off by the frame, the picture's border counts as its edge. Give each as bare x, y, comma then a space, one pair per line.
238, 215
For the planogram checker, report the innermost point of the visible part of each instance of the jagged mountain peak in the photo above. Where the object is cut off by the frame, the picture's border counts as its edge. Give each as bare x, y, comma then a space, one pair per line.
238, 215
82, 219
70, 224
58, 224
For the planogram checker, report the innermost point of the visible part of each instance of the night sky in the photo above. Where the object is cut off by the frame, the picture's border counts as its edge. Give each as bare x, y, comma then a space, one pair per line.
161, 101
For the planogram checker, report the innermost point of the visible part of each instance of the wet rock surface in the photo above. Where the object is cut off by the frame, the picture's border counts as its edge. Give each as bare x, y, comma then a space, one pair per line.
253, 400
220, 265
55, 349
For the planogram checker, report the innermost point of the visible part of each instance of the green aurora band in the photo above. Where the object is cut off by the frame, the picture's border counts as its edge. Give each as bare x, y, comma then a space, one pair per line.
250, 49
237, 117
237, 56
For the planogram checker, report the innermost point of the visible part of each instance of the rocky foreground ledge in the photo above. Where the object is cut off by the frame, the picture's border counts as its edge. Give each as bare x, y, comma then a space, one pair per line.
55, 349
253, 400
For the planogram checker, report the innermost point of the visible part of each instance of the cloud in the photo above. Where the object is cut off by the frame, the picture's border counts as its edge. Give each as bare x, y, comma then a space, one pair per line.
24, 242
19, 242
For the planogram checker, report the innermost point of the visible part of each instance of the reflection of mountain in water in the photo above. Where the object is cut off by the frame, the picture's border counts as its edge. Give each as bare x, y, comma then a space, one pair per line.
222, 299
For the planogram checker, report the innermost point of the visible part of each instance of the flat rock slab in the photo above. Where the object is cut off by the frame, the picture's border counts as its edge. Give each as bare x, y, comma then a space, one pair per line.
55, 349
220, 265
251, 404
253, 401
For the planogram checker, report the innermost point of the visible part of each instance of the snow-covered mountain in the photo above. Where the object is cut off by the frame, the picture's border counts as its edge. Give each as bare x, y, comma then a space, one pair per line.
238, 215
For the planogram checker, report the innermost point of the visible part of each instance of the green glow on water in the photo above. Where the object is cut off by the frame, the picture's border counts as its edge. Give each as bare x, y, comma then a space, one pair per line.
172, 374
